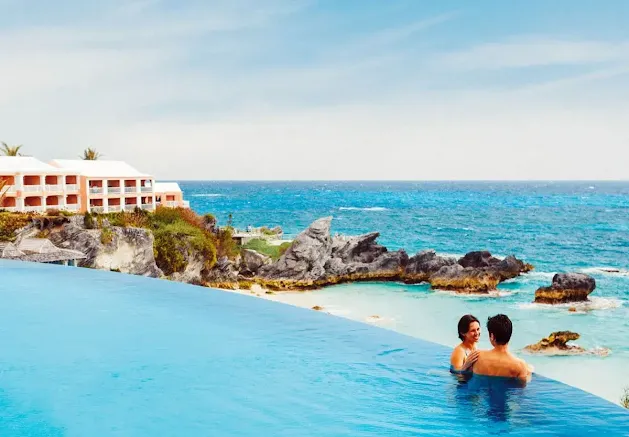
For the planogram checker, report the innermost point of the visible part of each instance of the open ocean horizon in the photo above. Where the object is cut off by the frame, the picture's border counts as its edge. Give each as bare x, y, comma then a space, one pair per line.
567, 226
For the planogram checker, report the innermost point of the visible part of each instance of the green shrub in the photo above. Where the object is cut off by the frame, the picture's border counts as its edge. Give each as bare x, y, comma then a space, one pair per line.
262, 246
225, 244
11, 222
624, 399
169, 253
106, 235
88, 221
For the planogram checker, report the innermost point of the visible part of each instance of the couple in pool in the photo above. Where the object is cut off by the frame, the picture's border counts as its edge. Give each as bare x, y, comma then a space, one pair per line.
495, 362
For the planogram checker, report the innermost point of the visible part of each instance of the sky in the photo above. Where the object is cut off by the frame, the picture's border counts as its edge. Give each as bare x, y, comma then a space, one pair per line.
322, 89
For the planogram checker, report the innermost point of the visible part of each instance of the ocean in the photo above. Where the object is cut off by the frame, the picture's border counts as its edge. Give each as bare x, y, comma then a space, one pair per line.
556, 226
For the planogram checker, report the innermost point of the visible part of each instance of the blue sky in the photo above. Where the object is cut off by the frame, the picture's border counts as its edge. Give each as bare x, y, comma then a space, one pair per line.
322, 89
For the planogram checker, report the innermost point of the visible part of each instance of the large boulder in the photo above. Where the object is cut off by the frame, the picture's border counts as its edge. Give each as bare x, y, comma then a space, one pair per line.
424, 264
556, 344
305, 259
478, 259
565, 288
252, 261
315, 259
461, 279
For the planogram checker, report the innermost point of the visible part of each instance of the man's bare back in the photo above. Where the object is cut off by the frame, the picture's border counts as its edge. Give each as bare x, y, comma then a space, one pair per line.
497, 362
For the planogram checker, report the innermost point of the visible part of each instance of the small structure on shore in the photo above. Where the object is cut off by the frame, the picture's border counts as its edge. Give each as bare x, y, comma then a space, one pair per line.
40, 250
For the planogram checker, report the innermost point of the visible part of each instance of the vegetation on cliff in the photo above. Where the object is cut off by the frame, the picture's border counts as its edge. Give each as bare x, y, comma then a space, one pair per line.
11, 222
262, 246
178, 232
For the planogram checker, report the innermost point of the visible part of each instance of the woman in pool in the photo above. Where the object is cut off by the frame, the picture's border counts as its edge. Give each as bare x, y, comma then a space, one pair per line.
465, 355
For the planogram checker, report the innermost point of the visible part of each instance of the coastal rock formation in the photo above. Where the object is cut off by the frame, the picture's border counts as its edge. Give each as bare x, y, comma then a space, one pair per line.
565, 288
316, 259
305, 259
476, 272
129, 251
464, 279
556, 344
423, 265
225, 270
252, 261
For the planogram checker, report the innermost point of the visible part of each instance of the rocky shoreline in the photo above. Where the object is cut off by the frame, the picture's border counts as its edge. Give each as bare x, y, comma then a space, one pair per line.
315, 259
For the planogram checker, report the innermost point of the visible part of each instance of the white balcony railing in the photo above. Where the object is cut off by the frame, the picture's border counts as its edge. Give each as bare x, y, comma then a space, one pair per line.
96, 190
72, 206
130, 189
28, 208
9, 189
53, 187
113, 190
8, 208
97, 209
114, 208
171, 203
33, 188
147, 206
186, 204
130, 207
147, 189
72, 187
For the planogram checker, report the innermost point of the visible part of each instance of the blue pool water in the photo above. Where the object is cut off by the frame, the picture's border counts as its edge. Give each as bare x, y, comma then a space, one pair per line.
557, 226
91, 353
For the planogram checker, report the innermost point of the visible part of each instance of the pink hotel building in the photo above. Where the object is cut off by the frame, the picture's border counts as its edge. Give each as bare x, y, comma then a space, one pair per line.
80, 186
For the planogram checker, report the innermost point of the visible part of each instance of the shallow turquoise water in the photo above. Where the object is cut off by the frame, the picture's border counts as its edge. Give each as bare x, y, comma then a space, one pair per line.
557, 226
91, 353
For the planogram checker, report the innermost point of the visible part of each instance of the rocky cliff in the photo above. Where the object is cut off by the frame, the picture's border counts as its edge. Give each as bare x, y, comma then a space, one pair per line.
316, 259
128, 250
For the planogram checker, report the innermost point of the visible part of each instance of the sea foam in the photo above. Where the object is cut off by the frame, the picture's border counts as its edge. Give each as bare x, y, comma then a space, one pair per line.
206, 195
355, 208
594, 304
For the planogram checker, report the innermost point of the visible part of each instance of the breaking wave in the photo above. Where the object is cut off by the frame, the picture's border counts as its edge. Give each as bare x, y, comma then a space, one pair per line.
606, 271
594, 304
206, 195
355, 208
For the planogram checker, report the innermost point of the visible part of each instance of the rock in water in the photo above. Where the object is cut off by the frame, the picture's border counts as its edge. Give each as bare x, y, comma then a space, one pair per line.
556, 344
476, 272
464, 279
478, 259
566, 287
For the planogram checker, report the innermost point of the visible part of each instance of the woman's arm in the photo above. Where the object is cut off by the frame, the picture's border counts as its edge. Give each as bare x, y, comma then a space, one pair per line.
457, 358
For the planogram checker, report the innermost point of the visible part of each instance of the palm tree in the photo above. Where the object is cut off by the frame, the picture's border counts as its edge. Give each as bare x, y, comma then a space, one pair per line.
4, 186
10, 150
90, 154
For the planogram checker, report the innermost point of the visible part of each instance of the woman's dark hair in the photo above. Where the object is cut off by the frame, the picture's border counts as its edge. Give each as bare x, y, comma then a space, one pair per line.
464, 325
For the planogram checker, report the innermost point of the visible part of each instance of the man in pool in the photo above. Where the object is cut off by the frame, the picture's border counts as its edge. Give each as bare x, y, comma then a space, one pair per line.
499, 361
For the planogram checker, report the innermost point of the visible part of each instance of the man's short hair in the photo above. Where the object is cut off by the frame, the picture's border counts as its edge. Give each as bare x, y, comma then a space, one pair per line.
501, 328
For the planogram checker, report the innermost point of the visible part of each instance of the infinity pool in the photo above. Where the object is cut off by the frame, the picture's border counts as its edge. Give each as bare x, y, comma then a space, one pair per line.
90, 353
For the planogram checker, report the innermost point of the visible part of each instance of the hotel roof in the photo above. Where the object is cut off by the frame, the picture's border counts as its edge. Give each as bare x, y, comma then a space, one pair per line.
99, 168
23, 164
167, 187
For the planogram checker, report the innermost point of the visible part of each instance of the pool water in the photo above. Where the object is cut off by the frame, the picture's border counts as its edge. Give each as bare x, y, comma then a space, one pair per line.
91, 353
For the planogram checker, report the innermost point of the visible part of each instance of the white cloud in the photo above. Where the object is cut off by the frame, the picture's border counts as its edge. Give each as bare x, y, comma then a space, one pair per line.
534, 51
202, 95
